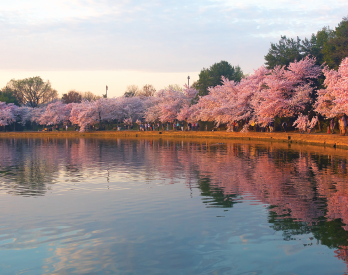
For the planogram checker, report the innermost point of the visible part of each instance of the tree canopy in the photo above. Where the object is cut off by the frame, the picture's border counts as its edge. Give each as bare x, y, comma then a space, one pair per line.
7, 95
89, 96
327, 46
213, 76
133, 90
32, 91
287, 50
72, 97
336, 47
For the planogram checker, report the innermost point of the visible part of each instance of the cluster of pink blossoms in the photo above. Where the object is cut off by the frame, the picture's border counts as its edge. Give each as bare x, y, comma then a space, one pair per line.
258, 98
165, 106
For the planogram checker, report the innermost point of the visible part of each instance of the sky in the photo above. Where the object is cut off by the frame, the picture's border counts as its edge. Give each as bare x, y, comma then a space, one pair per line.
88, 44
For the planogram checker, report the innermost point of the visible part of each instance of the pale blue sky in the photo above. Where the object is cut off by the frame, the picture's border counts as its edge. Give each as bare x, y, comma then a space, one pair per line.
72, 42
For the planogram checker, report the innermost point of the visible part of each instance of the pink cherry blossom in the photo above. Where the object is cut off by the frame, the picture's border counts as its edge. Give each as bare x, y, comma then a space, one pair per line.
287, 91
333, 101
56, 113
7, 115
313, 122
231, 101
168, 103
301, 122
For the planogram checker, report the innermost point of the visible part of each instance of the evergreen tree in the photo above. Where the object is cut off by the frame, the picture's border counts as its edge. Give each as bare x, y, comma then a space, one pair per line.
213, 76
336, 48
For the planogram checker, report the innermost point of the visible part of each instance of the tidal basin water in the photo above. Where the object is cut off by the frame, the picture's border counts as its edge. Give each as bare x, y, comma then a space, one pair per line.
133, 206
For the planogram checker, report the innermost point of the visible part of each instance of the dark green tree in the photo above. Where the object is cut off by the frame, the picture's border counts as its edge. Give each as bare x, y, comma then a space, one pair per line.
212, 77
336, 48
287, 50
7, 95
322, 37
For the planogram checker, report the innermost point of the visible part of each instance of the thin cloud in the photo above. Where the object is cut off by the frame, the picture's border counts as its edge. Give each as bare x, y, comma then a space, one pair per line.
170, 36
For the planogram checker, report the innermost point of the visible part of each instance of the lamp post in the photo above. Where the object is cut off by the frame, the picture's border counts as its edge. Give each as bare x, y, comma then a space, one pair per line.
188, 81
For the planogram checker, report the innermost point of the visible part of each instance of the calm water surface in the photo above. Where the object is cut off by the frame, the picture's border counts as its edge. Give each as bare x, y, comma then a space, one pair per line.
90, 206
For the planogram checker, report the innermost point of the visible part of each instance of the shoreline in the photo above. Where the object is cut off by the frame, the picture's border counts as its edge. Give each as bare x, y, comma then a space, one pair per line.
326, 140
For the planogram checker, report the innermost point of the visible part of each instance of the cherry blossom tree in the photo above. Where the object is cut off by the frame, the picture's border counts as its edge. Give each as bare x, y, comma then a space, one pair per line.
107, 110
153, 112
122, 108
266, 94
313, 122
56, 113
287, 91
214, 106
7, 115
333, 100
190, 93
231, 101
301, 122
167, 104
184, 114
34, 114
260, 97
84, 114
24, 114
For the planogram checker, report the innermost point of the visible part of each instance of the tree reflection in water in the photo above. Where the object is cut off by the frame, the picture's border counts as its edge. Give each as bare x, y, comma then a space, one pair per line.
304, 191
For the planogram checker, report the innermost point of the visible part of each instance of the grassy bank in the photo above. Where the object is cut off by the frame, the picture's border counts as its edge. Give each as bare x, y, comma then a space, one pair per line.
327, 140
